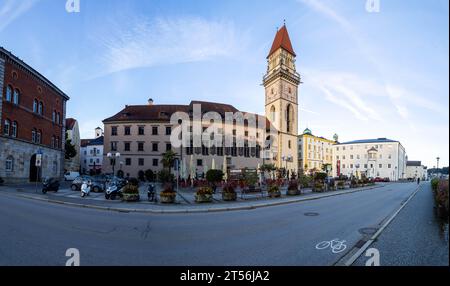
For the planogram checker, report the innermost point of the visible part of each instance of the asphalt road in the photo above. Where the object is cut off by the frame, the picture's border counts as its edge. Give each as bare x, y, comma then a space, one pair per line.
416, 237
39, 233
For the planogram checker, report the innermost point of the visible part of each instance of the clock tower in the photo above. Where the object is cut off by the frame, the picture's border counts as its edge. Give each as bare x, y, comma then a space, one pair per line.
281, 84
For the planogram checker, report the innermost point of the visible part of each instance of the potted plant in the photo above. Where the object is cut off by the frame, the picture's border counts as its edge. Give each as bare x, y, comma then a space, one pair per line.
319, 181
229, 193
293, 188
168, 195
130, 193
204, 195
274, 191
353, 183
341, 185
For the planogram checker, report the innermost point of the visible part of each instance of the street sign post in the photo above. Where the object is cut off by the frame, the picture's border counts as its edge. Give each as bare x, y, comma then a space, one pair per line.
38, 165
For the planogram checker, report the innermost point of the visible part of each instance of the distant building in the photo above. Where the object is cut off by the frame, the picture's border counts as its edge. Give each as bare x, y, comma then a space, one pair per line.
92, 153
73, 134
380, 157
415, 170
32, 121
314, 152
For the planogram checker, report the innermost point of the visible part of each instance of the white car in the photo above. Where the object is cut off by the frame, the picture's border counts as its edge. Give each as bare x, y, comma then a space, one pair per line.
70, 176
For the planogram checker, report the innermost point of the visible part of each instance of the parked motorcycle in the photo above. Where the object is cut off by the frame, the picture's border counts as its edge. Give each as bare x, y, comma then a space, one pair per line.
50, 185
86, 188
114, 189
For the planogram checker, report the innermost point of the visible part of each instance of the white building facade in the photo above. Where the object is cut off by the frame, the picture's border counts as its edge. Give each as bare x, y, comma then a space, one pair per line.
415, 170
382, 157
92, 154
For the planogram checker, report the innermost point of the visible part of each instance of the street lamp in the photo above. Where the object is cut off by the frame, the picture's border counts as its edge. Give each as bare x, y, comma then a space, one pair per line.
437, 165
112, 158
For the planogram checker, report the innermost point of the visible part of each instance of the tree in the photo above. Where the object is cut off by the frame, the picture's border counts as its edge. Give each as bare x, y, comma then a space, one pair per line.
214, 176
70, 150
168, 159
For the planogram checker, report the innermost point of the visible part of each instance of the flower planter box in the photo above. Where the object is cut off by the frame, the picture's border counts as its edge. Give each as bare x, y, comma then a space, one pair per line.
229, 196
203, 198
275, 194
167, 199
293, 192
130, 197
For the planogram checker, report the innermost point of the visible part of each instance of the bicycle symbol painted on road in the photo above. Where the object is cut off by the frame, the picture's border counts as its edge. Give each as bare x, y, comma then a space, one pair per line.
337, 246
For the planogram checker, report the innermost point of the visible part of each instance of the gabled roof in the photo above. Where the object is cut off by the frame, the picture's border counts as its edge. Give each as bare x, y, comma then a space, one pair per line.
162, 113
282, 40
70, 123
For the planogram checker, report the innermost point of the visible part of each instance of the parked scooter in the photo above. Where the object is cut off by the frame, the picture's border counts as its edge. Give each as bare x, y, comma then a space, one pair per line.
151, 193
86, 188
50, 185
114, 189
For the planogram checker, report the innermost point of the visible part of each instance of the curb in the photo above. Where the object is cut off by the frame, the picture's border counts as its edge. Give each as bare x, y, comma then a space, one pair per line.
355, 256
195, 210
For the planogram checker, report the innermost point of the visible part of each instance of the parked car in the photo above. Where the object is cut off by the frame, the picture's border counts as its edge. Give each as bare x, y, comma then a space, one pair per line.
97, 186
70, 176
378, 180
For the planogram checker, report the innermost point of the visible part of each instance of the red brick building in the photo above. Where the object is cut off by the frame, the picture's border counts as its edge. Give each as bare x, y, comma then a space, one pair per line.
32, 113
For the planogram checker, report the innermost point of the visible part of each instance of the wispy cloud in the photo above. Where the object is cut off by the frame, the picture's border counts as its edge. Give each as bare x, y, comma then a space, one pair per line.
144, 43
10, 10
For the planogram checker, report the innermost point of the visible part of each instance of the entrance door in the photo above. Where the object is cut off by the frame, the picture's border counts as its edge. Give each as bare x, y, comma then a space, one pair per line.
35, 173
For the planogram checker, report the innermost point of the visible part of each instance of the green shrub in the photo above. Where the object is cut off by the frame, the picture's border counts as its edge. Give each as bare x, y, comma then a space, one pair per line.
304, 181
165, 176
320, 176
214, 176
133, 182
434, 184
150, 175
131, 189
204, 191
229, 189
274, 188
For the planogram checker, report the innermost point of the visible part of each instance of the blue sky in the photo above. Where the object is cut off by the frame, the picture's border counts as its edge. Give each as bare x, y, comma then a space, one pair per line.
366, 75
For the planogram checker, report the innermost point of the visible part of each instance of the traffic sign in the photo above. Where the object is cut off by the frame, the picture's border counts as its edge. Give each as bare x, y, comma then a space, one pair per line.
38, 160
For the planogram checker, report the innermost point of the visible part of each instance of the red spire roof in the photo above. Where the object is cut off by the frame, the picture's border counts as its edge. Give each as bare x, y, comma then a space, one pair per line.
282, 40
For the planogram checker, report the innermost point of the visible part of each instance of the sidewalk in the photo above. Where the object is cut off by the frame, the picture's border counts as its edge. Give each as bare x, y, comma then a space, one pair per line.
415, 237
185, 200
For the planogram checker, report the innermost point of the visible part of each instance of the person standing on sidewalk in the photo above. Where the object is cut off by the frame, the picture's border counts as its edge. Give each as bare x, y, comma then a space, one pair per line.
418, 181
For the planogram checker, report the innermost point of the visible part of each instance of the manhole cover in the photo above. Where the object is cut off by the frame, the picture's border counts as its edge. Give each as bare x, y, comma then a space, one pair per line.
311, 214
368, 230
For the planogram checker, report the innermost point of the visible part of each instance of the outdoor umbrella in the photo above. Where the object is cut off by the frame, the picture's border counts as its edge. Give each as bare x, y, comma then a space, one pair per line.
225, 169
213, 164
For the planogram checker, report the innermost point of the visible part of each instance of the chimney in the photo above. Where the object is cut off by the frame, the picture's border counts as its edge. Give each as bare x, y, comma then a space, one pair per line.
150, 101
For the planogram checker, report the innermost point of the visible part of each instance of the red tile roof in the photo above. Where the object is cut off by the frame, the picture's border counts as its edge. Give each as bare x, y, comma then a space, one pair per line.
282, 40
70, 123
162, 113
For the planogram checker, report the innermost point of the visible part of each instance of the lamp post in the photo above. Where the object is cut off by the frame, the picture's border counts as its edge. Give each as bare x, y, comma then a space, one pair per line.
112, 157
437, 165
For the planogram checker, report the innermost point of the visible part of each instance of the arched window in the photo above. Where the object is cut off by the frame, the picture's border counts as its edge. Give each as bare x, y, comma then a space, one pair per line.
14, 129
8, 93
9, 164
16, 96
53, 141
33, 135
39, 137
6, 127
41, 108
289, 118
54, 116
57, 142
35, 106
272, 113
58, 118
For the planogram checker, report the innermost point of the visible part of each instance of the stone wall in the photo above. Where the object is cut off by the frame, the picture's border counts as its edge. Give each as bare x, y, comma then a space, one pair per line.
21, 152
